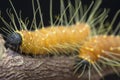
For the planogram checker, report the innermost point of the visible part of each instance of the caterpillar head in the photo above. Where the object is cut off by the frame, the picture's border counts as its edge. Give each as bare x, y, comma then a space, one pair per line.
13, 40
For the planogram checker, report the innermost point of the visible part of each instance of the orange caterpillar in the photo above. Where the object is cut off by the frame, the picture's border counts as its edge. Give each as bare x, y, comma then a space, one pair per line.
54, 40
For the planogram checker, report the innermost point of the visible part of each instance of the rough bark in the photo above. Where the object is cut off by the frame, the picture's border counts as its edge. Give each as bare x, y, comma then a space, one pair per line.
15, 66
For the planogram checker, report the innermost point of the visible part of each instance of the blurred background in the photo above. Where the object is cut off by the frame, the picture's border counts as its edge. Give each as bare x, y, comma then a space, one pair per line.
26, 8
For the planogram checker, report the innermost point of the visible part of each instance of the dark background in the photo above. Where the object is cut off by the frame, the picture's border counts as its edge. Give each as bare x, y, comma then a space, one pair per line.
26, 8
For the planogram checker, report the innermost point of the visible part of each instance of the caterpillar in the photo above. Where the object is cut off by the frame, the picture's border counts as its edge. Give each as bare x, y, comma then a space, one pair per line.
48, 40
83, 31
45, 40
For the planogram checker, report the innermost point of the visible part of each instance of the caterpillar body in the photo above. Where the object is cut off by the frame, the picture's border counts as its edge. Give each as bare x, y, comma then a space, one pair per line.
57, 39
97, 51
92, 50
77, 33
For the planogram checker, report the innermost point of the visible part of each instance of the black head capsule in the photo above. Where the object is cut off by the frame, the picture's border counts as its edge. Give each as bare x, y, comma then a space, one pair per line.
13, 40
